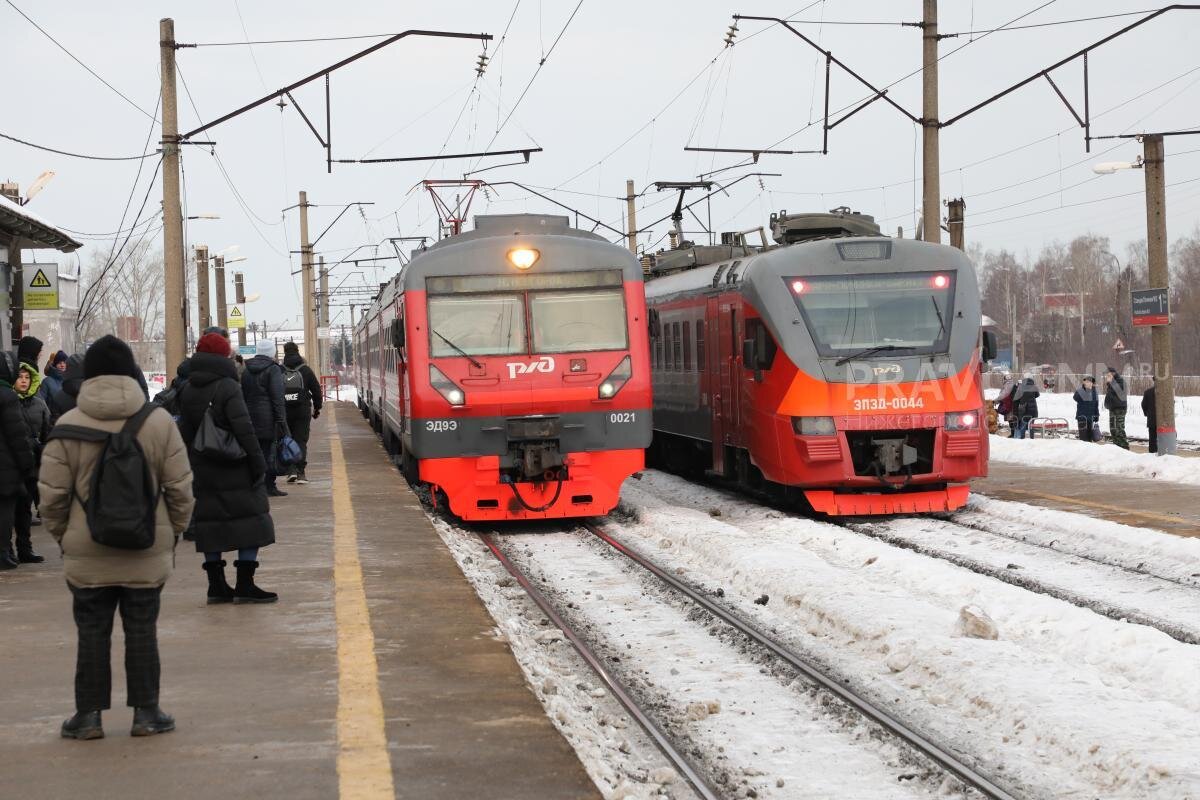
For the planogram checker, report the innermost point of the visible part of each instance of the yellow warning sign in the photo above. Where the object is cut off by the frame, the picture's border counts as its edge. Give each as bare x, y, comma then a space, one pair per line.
41, 288
236, 318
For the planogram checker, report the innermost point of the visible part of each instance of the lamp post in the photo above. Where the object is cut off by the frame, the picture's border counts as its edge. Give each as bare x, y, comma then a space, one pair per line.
1152, 161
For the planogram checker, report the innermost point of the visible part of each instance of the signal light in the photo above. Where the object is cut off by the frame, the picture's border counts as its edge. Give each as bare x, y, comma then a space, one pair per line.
799, 287
615, 380
962, 421
523, 257
941, 281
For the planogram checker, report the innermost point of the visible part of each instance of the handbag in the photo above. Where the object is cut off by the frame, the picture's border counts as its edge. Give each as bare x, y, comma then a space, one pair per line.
213, 441
287, 452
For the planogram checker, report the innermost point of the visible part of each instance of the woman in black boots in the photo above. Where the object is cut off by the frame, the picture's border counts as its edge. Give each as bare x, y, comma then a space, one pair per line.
232, 511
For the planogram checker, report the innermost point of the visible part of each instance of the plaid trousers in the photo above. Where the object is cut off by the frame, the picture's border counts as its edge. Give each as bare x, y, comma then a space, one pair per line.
94, 610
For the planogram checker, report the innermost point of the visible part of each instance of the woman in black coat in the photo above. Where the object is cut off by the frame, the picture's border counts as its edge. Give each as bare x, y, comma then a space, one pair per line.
16, 458
232, 510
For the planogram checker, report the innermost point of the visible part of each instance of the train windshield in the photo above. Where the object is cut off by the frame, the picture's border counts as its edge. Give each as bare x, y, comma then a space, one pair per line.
845, 314
578, 321
476, 325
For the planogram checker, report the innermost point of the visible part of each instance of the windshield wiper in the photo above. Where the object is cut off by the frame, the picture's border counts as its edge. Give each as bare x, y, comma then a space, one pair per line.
941, 320
458, 350
879, 348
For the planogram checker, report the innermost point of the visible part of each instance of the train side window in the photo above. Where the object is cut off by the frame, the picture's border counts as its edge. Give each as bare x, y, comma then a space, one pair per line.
678, 344
668, 350
760, 345
687, 347
700, 345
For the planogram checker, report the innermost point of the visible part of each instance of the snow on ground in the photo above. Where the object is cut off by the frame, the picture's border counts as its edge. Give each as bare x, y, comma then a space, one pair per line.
755, 731
617, 755
347, 394
1163, 555
1060, 404
1064, 702
1104, 459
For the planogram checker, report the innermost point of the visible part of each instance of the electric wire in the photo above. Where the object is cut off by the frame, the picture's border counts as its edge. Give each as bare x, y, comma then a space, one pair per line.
78, 61
74, 155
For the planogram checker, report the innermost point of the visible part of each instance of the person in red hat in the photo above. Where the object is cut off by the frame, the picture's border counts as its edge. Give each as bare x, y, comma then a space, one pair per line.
232, 511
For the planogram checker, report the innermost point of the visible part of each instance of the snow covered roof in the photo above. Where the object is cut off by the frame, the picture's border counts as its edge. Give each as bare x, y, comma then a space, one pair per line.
31, 229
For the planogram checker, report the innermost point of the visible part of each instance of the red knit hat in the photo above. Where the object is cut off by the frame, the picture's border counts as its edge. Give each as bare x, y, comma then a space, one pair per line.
213, 343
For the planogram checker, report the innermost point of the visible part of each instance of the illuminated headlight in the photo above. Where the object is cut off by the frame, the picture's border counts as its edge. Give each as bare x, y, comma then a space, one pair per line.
962, 420
616, 379
523, 257
446, 387
814, 426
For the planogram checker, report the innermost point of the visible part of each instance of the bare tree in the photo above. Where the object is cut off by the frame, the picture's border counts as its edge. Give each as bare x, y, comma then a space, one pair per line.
131, 287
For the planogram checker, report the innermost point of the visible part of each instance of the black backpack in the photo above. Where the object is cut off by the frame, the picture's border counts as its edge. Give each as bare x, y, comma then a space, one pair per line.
293, 387
122, 499
169, 398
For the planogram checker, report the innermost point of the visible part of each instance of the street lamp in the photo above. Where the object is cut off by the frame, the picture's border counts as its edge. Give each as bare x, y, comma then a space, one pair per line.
204, 216
1152, 162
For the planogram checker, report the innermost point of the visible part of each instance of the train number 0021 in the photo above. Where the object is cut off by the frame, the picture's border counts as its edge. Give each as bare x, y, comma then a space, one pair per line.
622, 417
441, 425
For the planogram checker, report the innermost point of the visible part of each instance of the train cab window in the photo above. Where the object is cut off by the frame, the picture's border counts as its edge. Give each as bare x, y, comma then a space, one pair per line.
762, 345
700, 345
578, 321
478, 325
687, 347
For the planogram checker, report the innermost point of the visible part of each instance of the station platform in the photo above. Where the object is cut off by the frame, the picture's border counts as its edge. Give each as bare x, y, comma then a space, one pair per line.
1162, 505
375, 675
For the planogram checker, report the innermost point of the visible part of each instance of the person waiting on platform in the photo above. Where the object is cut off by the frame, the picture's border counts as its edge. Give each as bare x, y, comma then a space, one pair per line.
1025, 407
1116, 401
302, 395
262, 386
1087, 410
16, 459
37, 425
232, 510
1151, 411
113, 561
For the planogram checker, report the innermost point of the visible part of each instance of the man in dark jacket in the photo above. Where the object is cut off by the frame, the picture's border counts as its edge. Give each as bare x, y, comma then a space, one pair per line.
1087, 409
1116, 401
51, 387
262, 386
1025, 406
72, 381
232, 511
302, 396
1151, 411
16, 458
37, 424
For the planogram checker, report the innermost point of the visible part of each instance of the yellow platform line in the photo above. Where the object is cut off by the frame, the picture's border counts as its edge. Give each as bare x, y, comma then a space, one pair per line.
1103, 506
364, 768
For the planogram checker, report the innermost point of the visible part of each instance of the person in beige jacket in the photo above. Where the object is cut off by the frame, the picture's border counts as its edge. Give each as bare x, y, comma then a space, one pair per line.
103, 579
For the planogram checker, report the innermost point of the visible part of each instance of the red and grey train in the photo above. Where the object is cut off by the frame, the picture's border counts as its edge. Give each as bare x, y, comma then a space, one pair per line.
508, 367
841, 366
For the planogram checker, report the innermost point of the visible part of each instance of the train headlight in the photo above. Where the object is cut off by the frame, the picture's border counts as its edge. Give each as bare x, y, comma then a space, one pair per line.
523, 257
814, 426
446, 387
962, 420
616, 379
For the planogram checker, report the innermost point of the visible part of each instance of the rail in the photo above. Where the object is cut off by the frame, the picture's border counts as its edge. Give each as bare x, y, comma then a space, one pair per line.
664, 744
889, 723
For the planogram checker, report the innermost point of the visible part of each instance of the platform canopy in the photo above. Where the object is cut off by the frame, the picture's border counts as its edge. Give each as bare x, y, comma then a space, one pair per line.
24, 229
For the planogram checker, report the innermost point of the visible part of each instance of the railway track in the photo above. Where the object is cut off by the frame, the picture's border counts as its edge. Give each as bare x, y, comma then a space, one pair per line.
1148, 598
928, 750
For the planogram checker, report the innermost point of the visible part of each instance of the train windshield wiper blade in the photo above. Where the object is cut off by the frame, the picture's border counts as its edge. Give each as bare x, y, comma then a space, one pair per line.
938, 309
458, 350
879, 348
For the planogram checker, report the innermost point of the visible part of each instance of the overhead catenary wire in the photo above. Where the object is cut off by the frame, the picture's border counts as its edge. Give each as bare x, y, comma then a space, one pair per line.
74, 155
79, 61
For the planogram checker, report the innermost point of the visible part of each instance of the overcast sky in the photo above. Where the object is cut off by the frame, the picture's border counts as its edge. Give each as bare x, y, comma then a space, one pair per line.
609, 103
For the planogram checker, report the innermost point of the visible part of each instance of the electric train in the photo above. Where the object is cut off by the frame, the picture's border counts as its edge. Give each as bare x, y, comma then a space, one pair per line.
840, 367
508, 368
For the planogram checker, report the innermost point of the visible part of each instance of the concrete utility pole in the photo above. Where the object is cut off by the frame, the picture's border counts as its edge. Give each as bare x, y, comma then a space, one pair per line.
632, 216
306, 281
176, 321
16, 297
219, 277
203, 319
1156, 250
955, 221
931, 183
239, 297
323, 341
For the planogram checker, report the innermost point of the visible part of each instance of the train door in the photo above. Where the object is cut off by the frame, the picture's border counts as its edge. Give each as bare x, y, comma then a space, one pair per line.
403, 399
725, 395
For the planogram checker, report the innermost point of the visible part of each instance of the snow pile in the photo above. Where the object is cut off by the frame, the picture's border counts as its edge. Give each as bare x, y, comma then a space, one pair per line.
1104, 459
1064, 702
347, 393
1060, 404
